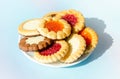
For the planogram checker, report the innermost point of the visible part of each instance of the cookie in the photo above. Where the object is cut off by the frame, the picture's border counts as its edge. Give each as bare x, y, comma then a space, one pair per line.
91, 39
34, 43
77, 46
74, 18
28, 28
53, 53
54, 28
51, 14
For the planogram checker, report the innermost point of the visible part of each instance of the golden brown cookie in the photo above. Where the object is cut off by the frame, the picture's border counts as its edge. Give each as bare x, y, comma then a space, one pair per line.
74, 18
91, 39
54, 28
28, 28
53, 53
51, 14
77, 47
34, 43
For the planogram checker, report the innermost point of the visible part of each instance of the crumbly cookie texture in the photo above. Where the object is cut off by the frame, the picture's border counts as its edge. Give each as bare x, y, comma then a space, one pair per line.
91, 38
77, 47
28, 28
54, 28
74, 18
34, 43
54, 53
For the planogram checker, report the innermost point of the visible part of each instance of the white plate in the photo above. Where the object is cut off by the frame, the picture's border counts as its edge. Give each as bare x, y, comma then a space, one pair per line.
30, 55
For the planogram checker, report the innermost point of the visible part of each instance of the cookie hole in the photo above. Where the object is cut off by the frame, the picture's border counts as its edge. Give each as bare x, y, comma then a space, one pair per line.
87, 36
54, 26
70, 18
51, 49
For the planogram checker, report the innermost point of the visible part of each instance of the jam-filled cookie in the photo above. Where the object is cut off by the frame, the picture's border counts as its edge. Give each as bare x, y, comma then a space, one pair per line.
53, 53
54, 28
28, 28
74, 18
77, 47
91, 39
34, 43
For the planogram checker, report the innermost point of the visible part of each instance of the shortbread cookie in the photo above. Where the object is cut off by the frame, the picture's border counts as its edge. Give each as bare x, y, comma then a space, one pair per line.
74, 18
53, 53
54, 28
90, 37
34, 43
28, 28
77, 47
51, 14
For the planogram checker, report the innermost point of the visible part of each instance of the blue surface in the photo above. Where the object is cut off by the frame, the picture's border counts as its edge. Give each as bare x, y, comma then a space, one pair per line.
102, 15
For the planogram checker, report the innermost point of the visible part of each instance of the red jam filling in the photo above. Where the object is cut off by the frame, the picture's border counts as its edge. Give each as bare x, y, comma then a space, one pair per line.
54, 26
87, 36
70, 18
51, 50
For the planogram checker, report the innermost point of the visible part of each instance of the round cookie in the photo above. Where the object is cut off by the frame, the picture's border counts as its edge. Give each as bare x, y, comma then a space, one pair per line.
54, 28
34, 43
90, 37
74, 18
28, 28
53, 53
77, 47
51, 14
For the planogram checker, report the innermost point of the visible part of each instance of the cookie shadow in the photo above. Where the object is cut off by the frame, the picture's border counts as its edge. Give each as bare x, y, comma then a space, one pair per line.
104, 43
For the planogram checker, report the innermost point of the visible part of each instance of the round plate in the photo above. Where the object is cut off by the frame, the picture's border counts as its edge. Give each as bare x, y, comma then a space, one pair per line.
30, 55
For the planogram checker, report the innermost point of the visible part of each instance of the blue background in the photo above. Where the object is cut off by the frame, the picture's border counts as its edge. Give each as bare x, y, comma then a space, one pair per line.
101, 15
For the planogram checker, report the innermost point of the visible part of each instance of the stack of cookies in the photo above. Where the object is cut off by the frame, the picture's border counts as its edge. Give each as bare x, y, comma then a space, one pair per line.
57, 37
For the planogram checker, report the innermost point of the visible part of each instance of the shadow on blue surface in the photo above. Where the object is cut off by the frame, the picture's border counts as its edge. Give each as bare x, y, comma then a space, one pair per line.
105, 40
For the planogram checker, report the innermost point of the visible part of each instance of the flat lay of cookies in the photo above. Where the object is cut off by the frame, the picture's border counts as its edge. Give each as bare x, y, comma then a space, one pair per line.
57, 37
